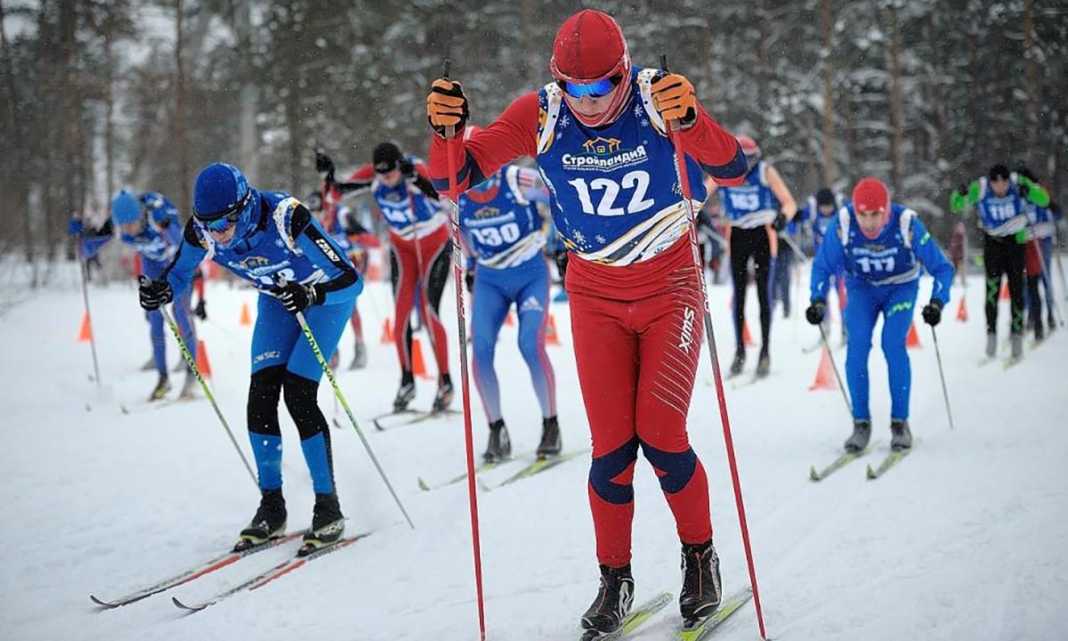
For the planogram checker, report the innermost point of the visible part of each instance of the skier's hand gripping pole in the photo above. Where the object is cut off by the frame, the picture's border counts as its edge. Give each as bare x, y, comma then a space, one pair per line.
674, 127
192, 363
314, 344
450, 132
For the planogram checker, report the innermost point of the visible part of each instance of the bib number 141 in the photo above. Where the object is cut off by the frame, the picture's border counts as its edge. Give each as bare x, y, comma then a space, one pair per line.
638, 181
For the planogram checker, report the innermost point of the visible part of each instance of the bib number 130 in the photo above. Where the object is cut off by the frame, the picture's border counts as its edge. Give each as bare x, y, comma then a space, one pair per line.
638, 181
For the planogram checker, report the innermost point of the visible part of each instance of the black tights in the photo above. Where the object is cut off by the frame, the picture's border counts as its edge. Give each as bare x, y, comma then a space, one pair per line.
745, 243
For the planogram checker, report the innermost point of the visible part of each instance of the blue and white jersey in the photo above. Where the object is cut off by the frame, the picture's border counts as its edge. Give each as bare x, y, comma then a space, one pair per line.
1040, 221
1001, 215
407, 210
158, 207
810, 216
501, 223
270, 253
892, 258
615, 197
156, 244
751, 204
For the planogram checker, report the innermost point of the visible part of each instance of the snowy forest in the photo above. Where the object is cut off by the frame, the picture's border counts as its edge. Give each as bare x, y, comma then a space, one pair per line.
98, 94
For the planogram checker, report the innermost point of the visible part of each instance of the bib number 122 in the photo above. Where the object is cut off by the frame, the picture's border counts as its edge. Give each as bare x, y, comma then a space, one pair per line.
638, 181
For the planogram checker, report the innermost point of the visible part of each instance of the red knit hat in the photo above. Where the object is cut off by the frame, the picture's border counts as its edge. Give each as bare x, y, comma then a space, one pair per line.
589, 46
871, 194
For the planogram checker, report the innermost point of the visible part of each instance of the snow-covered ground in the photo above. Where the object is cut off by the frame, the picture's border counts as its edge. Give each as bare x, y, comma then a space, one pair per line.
963, 540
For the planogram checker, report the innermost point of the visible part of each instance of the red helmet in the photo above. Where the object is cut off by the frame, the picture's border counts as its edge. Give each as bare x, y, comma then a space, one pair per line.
871, 194
589, 46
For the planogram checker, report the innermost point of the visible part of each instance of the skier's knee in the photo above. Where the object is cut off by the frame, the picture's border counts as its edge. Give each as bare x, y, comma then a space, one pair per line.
301, 398
264, 390
529, 348
483, 349
675, 469
611, 474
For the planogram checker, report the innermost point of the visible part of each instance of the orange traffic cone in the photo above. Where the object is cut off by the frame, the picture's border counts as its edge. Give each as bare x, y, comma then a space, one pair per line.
747, 339
913, 340
85, 334
418, 364
962, 311
824, 373
203, 364
551, 337
387, 332
1004, 291
246, 316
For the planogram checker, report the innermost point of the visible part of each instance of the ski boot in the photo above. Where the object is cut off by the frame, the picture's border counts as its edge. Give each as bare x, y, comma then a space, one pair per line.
163, 385
443, 397
764, 364
188, 385
860, 437
406, 393
615, 596
328, 524
738, 363
1016, 341
701, 587
551, 443
991, 345
499, 446
359, 356
900, 435
268, 523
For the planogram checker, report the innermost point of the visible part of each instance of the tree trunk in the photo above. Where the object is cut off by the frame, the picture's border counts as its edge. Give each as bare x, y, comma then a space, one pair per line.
249, 91
829, 168
897, 101
15, 178
179, 110
109, 112
1034, 92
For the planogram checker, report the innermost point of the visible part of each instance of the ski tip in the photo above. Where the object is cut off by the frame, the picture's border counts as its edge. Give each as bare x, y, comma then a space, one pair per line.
423, 485
102, 603
813, 475
187, 608
871, 474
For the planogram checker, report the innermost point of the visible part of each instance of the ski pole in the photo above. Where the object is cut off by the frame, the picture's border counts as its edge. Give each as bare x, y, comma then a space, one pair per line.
942, 375
88, 315
830, 355
192, 363
461, 325
344, 403
684, 183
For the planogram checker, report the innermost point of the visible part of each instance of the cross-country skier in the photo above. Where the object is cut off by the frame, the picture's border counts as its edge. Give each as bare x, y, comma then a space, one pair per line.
1041, 229
598, 133
880, 246
1000, 200
419, 254
756, 208
149, 223
340, 222
271, 240
817, 214
506, 235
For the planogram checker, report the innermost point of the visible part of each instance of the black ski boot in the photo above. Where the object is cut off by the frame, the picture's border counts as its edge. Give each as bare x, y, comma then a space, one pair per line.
614, 599
443, 398
359, 356
163, 385
268, 523
328, 524
738, 364
764, 364
551, 443
499, 446
900, 435
406, 393
860, 437
701, 586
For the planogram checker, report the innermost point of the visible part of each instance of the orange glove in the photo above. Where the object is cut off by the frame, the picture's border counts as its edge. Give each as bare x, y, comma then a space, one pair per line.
674, 98
446, 106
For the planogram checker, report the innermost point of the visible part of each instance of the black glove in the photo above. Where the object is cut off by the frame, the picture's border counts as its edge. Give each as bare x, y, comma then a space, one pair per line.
296, 297
561, 263
469, 280
780, 222
201, 310
154, 293
454, 106
962, 189
407, 168
932, 312
815, 312
323, 162
1024, 188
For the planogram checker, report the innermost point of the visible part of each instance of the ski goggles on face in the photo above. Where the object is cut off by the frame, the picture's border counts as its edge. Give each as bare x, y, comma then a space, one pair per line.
596, 89
223, 220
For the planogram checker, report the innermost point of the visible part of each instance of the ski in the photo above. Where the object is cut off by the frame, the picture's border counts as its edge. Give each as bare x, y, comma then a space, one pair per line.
698, 630
537, 467
1012, 362
480, 468
838, 463
413, 416
155, 405
637, 616
752, 380
892, 459
267, 576
195, 572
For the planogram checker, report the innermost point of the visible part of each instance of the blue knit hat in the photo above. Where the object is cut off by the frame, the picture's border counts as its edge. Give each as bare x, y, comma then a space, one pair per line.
125, 208
220, 189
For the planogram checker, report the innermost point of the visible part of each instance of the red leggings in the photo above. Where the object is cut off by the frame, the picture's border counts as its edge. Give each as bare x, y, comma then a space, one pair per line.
428, 269
637, 358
